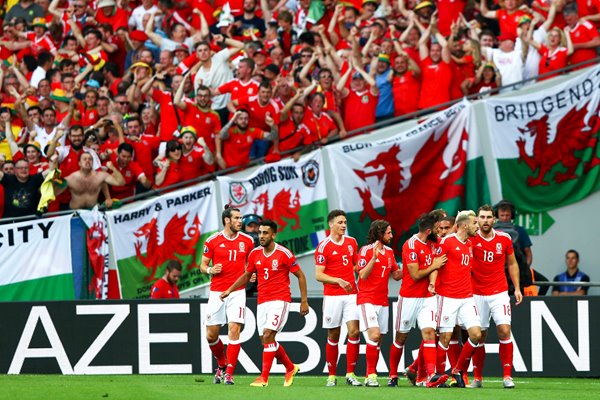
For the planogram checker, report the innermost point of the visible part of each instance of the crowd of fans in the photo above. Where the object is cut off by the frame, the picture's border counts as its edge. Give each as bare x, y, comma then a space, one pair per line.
163, 91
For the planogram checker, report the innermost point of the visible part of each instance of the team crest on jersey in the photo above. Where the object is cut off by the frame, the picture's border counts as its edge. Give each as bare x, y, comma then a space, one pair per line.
446, 318
412, 256
275, 265
320, 259
207, 120
350, 250
238, 194
242, 247
190, 158
362, 263
128, 174
205, 249
438, 251
365, 99
405, 323
498, 248
310, 173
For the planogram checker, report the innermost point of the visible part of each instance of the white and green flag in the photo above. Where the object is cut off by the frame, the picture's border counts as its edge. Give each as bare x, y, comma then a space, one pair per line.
290, 193
147, 234
546, 143
35, 260
413, 172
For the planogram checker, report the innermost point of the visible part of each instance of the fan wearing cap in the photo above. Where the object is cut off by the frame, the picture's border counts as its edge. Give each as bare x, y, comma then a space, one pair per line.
360, 99
508, 15
197, 159
30, 152
109, 13
436, 73
486, 79
198, 113
235, 139
423, 10
508, 58
40, 40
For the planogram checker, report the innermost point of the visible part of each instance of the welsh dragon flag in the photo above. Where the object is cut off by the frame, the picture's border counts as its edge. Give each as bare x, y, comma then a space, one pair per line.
433, 165
546, 144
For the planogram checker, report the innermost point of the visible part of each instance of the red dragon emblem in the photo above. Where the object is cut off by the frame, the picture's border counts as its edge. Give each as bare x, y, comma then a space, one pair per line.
572, 134
432, 181
174, 242
283, 207
95, 240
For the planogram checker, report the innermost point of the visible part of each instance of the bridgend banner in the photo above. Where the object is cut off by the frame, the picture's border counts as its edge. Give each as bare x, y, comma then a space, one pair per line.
148, 234
546, 143
35, 260
552, 337
403, 176
293, 194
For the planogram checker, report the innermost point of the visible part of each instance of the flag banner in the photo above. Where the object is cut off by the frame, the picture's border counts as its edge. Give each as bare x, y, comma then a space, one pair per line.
293, 194
406, 175
546, 143
35, 260
98, 248
149, 233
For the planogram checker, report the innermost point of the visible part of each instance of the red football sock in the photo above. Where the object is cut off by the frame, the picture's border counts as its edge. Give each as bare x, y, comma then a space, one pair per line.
454, 349
440, 358
218, 351
395, 356
269, 351
283, 358
372, 358
428, 356
478, 359
420, 366
233, 350
352, 347
506, 356
331, 356
465, 356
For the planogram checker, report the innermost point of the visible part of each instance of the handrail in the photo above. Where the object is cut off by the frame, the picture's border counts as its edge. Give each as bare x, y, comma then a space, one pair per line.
333, 139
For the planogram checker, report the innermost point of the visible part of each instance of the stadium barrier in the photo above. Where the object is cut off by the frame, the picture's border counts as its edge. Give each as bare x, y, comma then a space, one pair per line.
551, 337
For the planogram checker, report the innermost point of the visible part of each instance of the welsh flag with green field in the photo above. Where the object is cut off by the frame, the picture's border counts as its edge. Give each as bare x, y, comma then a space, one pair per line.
436, 164
291, 193
147, 234
35, 260
546, 144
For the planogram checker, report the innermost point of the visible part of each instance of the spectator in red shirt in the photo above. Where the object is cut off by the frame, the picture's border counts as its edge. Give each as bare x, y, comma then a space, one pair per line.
169, 168
487, 78
131, 171
234, 142
406, 83
554, 54
584, 36
166, 287
360, 99
508, 15
436, 73
196, 159
109, 13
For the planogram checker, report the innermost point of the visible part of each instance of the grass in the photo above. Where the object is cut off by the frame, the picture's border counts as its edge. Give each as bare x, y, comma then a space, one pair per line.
160, 387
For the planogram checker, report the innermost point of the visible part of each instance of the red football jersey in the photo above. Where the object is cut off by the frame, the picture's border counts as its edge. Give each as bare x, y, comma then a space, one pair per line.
273, 273
435, 83
552, 60
339, 260
168, 120
236, 149
192, 164
319, 126
489, 259
583, 32
163, 290
145, 150
258, 112
405, 89
414, 251
509, 22
360, 109
132, 172
374, 289
239, 89
454, 278
206, 121
231, 254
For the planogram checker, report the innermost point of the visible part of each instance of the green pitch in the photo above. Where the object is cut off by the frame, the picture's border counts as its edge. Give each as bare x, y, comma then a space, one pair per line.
198, 387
